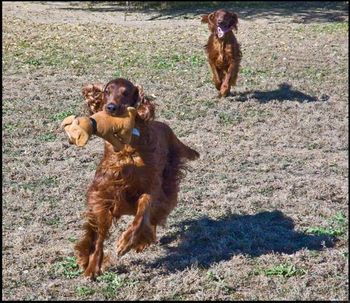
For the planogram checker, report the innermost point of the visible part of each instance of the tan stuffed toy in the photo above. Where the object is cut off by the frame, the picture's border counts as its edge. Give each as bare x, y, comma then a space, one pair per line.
115, 130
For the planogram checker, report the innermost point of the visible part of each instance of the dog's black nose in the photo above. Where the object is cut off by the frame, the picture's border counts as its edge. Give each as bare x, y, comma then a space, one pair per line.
112, 107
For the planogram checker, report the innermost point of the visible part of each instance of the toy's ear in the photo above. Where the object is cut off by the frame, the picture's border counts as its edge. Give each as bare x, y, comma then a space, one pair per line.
76, 134
67, 121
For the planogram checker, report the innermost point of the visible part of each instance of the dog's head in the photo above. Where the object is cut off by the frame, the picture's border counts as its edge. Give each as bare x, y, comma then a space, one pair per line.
121, 93
220, 22
93, 95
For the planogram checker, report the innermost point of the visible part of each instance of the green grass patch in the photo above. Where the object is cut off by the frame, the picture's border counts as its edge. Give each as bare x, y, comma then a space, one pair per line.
283, 270
10, 126
23, 44
72, 239
250, 72
84, 291
32, 185
209, 103
167, 113
219, 282
313, 145
230, 118
196, 60
49, 181
60, 116
129, 62
325, 231
274, 57
314, 74
47, 137
330, 27
118, 74
113, 284
337, 226
257, 114
188, 115
161, 62
340, 219
53, 222
266, 191
34, 62
68, 268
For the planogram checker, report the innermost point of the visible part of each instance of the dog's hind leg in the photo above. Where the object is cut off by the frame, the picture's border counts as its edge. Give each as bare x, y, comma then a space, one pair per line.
89, 250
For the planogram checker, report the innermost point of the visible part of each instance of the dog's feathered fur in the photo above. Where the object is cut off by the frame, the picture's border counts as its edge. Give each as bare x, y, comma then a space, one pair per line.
141, 180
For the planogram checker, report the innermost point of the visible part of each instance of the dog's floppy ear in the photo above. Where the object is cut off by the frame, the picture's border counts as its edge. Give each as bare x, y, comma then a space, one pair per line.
208, 18
99, 87
234, 21
93, 95
205, 18
95, 87
85, 89
145, 108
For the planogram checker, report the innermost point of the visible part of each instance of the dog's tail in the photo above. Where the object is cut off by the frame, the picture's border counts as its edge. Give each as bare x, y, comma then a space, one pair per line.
182, 150
188, 152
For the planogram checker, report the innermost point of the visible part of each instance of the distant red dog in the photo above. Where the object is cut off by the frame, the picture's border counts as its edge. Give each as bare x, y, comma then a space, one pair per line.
141, 180
223, 50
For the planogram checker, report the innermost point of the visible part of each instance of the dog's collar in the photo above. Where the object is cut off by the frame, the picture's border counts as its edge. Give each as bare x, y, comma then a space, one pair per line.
94, 125
136, 132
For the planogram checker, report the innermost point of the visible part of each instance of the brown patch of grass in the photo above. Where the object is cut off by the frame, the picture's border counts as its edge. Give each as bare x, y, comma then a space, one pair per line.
261, 216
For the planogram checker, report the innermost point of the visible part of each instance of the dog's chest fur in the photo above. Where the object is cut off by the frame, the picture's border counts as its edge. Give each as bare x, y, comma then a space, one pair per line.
219, 52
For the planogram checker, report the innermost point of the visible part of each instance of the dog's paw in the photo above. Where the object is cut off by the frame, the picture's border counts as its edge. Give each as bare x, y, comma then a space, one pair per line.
124, 244
92, 271
135, 238
224, 90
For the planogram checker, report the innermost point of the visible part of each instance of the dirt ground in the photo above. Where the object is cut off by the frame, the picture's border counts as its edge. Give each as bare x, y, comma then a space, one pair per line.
262, 215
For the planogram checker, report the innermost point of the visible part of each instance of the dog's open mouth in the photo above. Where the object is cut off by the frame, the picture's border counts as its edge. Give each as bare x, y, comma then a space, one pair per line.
223, 30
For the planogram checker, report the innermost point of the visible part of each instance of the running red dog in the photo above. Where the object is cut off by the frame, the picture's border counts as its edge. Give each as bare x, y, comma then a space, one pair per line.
142, 179
223, 50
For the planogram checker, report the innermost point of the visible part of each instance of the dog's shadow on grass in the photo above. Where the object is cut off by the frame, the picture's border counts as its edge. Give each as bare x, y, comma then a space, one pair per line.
206, 241
284, 92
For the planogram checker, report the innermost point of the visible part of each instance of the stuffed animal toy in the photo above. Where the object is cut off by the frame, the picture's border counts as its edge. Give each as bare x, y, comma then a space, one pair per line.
116, 130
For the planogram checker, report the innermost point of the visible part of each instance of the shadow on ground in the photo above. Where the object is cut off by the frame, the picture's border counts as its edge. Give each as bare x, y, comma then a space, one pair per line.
205, 241
284, 92
304, 12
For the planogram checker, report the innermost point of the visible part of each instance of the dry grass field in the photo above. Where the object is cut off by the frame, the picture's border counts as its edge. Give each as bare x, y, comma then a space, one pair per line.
262, 215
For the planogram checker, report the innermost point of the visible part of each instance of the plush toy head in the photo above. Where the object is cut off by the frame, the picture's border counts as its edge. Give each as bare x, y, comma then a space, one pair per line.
115, 130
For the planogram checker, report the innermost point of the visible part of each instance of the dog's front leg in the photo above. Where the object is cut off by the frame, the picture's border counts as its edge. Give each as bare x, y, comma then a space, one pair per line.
216, 77
140, 233
89, 249
226, 84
